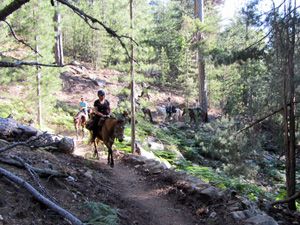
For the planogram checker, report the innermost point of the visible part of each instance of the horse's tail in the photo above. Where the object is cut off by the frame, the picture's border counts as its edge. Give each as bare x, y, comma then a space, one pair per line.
83, 119
179, 115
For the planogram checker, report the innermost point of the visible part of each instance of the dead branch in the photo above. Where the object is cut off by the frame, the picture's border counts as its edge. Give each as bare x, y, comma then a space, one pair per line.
36, 179
22, 63
282, 201
41, 172
259, 120
17, 4
11, 8
41, 198
21, 41
263, 118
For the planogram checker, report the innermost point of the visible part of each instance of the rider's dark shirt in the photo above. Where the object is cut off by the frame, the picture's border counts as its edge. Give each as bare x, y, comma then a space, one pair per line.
102, 108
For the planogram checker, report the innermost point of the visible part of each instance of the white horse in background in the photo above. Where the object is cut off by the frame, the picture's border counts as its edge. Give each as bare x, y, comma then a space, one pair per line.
163, 110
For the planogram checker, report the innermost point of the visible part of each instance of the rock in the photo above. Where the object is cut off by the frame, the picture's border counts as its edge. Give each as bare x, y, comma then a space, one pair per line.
224, 195
260, 220
251, 206
146, 154
156, 146
235, 216
209, 193
241, 214
213, 215
181, 125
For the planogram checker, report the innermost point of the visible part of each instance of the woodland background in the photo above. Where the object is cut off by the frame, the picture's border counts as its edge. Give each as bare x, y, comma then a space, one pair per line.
250, 71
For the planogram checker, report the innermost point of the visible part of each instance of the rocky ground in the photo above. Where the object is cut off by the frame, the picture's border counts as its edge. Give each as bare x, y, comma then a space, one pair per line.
140, 190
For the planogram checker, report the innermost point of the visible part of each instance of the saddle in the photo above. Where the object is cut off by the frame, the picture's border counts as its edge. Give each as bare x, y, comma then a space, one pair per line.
101, 122
173, 110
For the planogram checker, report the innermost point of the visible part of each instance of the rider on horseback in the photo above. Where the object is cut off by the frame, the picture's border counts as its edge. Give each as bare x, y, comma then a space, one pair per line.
83, 106
102, 111
169, 107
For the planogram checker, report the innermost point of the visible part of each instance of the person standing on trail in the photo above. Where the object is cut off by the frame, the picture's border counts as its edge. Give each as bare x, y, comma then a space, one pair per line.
197, 106
102, 111
169, 106
83, 106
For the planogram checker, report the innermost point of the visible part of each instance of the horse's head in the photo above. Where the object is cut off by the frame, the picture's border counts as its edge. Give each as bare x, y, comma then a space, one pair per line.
119, 129
91, 114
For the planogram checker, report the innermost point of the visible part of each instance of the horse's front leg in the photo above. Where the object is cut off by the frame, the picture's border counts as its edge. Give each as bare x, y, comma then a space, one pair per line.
82, 132
165, 117
110, 158
76, 127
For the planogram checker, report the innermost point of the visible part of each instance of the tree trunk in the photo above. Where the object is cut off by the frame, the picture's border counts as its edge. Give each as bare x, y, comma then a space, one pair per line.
38, 88
198, 12
291, 159
58, 49
132, 83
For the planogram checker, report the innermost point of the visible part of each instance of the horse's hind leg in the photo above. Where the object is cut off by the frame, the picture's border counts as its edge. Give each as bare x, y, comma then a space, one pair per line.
96, 150
82, 132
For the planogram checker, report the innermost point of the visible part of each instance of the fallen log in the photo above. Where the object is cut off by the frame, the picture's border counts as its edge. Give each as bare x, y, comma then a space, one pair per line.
12, 131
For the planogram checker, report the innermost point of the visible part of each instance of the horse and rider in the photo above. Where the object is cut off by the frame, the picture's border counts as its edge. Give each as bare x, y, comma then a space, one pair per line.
82, 117
104, 127
197, 111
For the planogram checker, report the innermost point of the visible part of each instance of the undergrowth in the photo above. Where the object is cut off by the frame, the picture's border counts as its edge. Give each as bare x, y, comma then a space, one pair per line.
101, 214
224, 159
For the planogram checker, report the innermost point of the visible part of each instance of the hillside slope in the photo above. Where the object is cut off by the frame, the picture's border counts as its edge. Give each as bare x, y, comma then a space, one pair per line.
138, 194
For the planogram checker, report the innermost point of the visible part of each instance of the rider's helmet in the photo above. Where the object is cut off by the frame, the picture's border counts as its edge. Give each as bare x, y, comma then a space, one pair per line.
169, 98
101, 92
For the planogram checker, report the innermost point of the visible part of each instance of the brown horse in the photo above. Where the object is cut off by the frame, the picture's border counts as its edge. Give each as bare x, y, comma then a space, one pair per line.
203, 115
146, 112
80, 121
112, 128
193, 113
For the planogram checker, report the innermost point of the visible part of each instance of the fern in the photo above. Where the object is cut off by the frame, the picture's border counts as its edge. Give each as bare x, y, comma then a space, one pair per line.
101, 214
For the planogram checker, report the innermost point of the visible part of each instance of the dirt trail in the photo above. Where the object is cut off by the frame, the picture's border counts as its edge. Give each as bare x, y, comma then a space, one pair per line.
148, 201
151, 204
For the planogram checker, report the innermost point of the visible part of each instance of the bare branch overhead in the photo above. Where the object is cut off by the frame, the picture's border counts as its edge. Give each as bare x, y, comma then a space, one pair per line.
17, 4
11, 8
